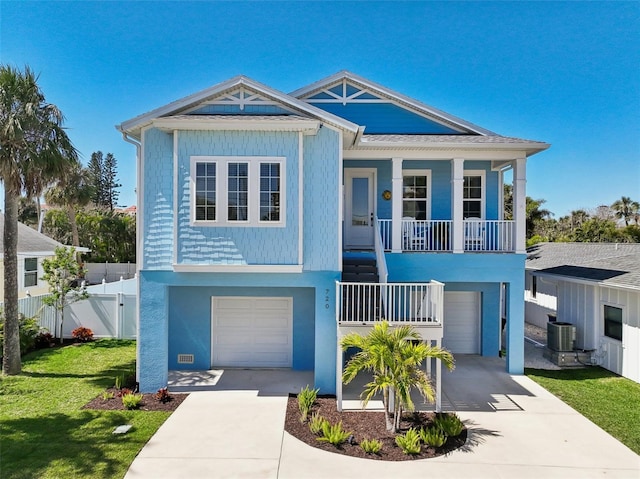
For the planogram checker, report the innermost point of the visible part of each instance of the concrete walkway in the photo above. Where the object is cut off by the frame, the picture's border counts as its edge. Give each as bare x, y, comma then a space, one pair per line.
516, 430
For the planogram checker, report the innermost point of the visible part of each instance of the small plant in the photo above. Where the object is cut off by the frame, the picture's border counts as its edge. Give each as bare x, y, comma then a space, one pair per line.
44, 339
371, 446
306, 399
334, 434
450, 424
82, 334
131, 400
106, 395
124, 391
316, 423
409, 442
163, 395
433, 436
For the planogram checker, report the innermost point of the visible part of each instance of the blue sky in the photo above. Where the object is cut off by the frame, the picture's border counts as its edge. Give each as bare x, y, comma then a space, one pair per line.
567, 73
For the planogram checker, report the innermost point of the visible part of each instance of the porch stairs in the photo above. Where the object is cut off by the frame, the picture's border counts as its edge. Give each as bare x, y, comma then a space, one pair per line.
362, 303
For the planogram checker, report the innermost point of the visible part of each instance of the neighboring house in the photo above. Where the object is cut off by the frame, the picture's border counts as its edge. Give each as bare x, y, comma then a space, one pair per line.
33, 247
272, 224
595, 287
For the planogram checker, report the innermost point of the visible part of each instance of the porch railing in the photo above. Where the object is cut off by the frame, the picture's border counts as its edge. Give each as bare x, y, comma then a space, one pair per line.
404, 303
437, 235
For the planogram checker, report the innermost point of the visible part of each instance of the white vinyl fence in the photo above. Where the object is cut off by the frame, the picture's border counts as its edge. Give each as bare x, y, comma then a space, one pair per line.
110, 272
111, 315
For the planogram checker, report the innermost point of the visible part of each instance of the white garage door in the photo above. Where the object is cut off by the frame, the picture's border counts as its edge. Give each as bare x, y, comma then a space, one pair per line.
462, 322
251, 331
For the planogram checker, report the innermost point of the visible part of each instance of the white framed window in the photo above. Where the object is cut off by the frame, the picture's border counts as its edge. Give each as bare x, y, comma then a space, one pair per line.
238, 191
612, 322
416, 194
473, 194
30, 272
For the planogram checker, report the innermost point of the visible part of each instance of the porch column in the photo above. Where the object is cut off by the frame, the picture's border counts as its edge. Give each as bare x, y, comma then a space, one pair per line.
520, 204
515, 326
457, 182
396, 206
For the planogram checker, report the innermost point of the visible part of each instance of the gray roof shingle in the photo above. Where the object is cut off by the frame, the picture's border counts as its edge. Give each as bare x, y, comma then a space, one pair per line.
607, 263
29, 240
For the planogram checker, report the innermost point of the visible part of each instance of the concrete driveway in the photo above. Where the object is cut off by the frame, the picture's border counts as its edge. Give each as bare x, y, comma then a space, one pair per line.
234, 429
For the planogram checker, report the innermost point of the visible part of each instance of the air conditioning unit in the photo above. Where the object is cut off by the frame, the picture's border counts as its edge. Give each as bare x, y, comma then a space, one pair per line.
560, 336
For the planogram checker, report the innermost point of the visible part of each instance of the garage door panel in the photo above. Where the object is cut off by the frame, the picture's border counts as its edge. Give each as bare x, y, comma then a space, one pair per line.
462, 322
252, 332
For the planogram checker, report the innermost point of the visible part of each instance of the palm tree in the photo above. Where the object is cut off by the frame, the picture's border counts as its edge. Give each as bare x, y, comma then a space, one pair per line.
32, 140
535, 214
72, 191
626, 209
394, 357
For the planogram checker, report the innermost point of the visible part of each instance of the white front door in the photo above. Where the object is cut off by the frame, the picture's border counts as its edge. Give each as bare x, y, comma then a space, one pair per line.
359, 203
255, 332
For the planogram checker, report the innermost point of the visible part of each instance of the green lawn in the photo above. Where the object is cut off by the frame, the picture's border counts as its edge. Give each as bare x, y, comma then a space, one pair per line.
44, 432
610, 401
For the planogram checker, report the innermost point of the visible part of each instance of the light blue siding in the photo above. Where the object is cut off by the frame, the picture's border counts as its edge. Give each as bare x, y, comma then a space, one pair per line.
153, 330
386, 118
157, 209
321, 200
243, 245
235, 110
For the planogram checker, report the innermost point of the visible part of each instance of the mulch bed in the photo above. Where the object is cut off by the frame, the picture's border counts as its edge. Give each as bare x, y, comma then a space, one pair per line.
149, 402
365, 425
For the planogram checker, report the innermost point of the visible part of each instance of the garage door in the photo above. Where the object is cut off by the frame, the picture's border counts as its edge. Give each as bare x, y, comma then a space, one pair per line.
251, 331
462, 322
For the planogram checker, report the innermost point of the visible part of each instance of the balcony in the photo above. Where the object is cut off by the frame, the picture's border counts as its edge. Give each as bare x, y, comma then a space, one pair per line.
436, 236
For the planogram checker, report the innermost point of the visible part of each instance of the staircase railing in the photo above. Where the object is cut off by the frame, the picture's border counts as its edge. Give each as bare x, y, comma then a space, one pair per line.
381, 261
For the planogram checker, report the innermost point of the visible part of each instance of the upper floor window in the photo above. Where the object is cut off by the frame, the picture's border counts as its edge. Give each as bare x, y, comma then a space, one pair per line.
613, 322
30, 272
415, 194
473, 195
237, 191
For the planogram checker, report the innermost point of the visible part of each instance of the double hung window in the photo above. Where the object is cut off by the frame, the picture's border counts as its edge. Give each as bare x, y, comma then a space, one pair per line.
30, 272
238, 191
613, 322
473, 195
415, 195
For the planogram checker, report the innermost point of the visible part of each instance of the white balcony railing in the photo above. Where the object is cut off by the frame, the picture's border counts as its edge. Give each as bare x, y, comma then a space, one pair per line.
437, 235
404, 303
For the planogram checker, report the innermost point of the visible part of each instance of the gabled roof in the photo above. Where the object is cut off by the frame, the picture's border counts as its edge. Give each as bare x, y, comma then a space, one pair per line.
610, 264
134, 125
30, 241
403, 100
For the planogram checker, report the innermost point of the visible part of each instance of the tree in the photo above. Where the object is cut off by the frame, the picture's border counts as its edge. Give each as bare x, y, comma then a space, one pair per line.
394, 357
103, 172
73, 191
63, 273
627, 209
27, 212
535, 214
33, 147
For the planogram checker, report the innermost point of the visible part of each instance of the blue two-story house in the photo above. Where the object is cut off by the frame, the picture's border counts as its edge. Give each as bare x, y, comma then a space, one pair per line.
271, 224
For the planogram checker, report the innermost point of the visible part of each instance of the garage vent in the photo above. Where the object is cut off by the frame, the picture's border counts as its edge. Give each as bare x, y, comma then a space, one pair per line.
185, 358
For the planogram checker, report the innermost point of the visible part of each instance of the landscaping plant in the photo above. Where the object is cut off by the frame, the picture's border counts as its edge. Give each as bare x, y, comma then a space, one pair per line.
131, 400
371, 446
449, 424
409, 442
433, 436
316, 423
306, 398
163, 395
82, 334
334, 434
394, 357
28, 330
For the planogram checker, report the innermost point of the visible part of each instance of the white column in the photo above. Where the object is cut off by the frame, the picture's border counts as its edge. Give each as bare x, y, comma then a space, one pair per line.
396, 206
457, 182
520, 204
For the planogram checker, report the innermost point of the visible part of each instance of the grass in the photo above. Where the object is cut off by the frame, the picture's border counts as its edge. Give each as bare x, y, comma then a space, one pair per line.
610, 401
44, 432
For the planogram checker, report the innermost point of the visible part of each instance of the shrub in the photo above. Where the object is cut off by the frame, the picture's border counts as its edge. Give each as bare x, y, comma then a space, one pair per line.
409, 442
334, 434
433, 436
106, 395
450, 424
131, 400
82, 334
316, 423
44, 339
163, 395
371, 446
28, 329
306, 399
124, 391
